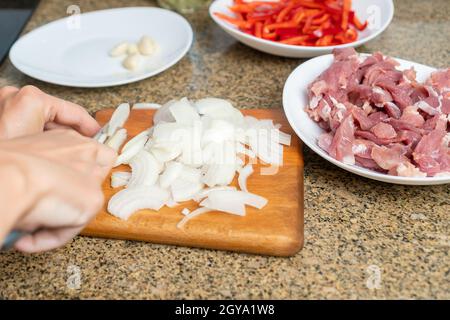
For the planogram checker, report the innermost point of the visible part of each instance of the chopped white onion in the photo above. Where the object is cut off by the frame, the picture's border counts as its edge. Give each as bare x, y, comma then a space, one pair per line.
170, 174
190, 174
146, 106
120, 178
127, 201
185, 211
183, 190
191, 215
244, 173
228, 206
102, 137
183, 112
164, 154
163, 114
118, 118
144, 170
204, 193
191, 145
172, 203
139, 139
233, 201
117, 139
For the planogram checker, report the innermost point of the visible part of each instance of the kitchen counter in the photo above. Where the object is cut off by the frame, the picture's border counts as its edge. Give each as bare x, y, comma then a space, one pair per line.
363, 239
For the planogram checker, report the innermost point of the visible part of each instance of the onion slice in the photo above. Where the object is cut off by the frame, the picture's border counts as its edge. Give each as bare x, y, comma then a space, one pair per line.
163, 114
132, 147
120, 178
127, 201
183, 112
204, 193
170, 174
229, 206
233, 201
118, 118
146, 106
191, 215
183, 190
117, 139
244, 173
144, 170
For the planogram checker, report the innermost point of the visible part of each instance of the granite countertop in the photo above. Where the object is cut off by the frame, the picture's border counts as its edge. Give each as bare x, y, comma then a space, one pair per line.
363, 239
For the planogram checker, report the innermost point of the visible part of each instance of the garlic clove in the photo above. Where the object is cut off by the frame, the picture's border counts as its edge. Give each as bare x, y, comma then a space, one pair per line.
146, 46
132, 48
119, 50
132, 61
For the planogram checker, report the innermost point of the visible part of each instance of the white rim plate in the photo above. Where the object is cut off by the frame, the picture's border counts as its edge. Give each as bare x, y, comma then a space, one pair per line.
74, 51
379, 13
295, 99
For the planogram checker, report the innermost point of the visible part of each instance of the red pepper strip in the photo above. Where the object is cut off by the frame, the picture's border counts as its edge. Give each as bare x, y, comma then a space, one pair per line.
360, 26
333, 8
295, 40
287, 33
331, 30
312, 12
242, 8
350, 35
345, 11
269, 35
251, 17
281, 25
250, 7
321, 20
325, 25
238, 23
310, 4
283, 13
239, 16
298, 17
258, 29
307, 24
324, 41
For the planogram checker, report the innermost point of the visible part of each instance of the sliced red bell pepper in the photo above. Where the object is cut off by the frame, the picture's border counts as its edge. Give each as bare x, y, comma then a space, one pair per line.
345, 12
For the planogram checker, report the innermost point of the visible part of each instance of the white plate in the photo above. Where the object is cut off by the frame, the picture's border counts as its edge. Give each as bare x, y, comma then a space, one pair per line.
379, 13
61, 53
295, 99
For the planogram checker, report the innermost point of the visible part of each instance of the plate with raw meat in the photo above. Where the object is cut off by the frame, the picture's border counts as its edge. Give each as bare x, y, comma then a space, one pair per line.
379, 117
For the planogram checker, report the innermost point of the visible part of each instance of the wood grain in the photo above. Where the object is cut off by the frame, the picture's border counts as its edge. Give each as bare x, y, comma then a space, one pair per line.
277, 229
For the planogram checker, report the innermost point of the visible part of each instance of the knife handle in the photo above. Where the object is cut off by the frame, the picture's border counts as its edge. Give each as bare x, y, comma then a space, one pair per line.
11, 239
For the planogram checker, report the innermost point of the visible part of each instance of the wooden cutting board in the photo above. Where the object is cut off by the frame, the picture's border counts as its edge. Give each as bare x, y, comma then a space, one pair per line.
277, 229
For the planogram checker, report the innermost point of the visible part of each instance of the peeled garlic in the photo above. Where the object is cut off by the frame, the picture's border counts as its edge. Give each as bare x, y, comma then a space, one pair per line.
132, 62
132, 48
146, 46
119, 50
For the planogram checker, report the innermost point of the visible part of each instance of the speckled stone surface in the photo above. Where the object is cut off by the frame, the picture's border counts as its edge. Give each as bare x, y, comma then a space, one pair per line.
363, 239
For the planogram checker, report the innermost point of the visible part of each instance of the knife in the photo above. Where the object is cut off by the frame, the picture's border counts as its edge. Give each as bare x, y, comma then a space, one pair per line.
11, 239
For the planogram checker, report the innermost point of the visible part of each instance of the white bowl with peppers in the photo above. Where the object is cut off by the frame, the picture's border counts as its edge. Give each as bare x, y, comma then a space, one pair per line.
302, 28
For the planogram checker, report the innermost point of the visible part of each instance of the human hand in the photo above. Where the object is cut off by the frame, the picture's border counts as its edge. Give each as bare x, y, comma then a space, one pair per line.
54, 186
28, 111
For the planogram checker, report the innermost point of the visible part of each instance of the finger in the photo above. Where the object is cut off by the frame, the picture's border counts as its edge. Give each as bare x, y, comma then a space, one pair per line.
7, 92
55, 126
45, 240
106, 156
70, 114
